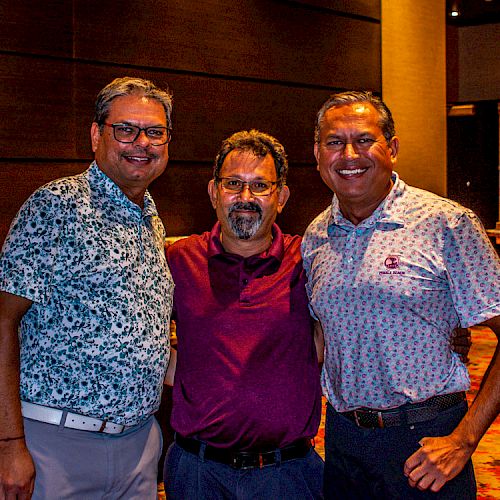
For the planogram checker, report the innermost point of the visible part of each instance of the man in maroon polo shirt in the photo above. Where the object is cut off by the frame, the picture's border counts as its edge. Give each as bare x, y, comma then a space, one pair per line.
246, 397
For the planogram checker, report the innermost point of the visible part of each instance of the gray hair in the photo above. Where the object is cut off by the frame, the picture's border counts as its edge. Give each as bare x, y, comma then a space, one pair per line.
259, 144
130, 86
386, 121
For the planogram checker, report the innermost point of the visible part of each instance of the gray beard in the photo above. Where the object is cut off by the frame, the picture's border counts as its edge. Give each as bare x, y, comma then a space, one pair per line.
244, 227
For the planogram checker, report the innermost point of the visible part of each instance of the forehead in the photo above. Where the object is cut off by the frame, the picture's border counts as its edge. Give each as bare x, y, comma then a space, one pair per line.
137, 108
245, 164
357, 117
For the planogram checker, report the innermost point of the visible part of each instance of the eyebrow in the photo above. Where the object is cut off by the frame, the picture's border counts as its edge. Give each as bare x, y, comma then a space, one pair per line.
128, 122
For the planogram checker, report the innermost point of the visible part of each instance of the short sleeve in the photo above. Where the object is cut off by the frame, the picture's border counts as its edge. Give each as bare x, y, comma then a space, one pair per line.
29, 251
473, 267
305, 250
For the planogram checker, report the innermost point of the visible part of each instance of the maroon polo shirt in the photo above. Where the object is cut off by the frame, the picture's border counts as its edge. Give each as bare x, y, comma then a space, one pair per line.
247, 372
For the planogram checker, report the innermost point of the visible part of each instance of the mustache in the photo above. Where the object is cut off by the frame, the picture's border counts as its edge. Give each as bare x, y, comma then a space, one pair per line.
248, 206
140, 151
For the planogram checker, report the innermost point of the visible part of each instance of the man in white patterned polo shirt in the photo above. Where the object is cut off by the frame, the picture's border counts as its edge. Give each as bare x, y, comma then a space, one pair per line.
391, 271
84, 279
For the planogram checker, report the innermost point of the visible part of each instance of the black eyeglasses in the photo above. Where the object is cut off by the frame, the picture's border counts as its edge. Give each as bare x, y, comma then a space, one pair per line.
234, 185
123, 132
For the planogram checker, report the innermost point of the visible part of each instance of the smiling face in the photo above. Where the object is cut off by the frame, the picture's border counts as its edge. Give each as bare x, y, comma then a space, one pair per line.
131, 166
354, 159
245, 216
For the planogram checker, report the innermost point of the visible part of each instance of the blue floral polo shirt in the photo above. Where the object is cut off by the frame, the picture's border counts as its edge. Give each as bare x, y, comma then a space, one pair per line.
389, 292
96, 339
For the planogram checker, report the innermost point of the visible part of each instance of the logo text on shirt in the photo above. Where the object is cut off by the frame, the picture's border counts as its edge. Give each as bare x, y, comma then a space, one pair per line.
391, 262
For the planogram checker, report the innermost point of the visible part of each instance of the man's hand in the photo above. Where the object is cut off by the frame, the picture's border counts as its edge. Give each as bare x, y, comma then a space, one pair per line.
461, 341
17, 471
442, 458
437, 461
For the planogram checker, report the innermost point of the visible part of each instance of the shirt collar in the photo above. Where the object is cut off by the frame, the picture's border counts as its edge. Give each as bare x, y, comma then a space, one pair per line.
104, 187
270, 259
390, 212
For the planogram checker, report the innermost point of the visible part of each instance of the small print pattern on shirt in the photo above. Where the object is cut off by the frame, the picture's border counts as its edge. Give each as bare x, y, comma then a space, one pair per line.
96, 339
389, 292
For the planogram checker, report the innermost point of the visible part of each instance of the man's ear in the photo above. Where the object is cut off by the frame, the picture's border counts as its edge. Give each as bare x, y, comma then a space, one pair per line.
212, 192
95, 136
394, 148
283, 196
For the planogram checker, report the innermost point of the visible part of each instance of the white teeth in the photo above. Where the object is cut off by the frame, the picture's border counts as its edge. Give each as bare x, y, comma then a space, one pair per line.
352, 172
136, 158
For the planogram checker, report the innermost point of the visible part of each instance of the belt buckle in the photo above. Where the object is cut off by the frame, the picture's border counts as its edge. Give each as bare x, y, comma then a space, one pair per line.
244, 460
103, 426
380, 419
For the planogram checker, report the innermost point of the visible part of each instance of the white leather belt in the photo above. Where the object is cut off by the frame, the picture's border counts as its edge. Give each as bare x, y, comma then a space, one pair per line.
73, 420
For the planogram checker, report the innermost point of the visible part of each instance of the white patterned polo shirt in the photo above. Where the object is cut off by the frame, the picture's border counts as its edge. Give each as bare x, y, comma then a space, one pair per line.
95, 340
389, 292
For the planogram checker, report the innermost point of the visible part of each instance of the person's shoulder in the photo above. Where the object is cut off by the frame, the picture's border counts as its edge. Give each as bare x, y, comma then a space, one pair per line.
318, 224
292, 242
71, 187
432, 205
185, 246
56, 196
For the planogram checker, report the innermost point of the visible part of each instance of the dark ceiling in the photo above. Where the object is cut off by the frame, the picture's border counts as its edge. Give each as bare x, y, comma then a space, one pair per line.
473, 12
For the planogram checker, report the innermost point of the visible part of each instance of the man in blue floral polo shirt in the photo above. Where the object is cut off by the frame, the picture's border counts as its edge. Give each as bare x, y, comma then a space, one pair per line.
391, 271
84, 280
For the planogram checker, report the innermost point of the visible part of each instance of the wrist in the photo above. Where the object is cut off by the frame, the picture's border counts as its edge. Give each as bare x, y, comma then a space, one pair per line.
15, 438
464, 439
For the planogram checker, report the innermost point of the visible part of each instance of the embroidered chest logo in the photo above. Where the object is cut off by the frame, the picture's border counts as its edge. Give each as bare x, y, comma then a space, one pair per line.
391, 264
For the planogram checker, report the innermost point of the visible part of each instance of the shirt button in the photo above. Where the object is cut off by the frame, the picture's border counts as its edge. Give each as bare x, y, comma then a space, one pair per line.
359, 232
245, 281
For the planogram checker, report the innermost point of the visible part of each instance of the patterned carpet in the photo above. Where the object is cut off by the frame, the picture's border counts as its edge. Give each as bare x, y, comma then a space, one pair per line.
487, 456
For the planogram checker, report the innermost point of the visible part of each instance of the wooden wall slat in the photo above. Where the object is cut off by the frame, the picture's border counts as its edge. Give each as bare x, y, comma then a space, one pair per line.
309, 196
262, 39
18, 180
182, 200
37, 27
367, 8
36, 108
207, 110
41, 121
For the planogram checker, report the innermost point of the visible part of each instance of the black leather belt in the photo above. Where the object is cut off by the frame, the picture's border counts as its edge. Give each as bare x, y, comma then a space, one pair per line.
245, 459
407, 414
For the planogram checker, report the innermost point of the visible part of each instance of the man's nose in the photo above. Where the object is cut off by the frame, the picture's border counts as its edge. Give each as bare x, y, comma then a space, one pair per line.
142, 139
245, 193
349, 150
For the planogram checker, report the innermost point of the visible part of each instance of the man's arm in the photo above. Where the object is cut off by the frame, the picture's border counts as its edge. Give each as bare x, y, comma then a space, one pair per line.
17, 471
442, 458
461, 341
172, 364
319, 341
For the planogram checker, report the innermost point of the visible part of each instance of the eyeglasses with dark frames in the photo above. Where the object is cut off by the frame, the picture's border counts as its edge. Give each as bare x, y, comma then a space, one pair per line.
233, 185
126, 133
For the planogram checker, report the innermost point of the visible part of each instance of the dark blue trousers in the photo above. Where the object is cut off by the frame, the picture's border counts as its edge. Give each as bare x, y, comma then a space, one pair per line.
190, 477
368, 463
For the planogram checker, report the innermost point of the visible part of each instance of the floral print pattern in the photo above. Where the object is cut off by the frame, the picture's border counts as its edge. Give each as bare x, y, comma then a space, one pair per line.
389, 292
95, 339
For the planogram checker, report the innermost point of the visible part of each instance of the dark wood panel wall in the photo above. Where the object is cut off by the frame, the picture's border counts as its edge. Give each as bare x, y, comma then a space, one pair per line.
231, 65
